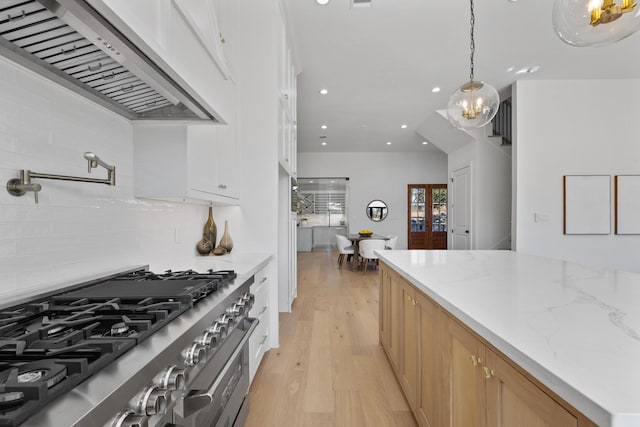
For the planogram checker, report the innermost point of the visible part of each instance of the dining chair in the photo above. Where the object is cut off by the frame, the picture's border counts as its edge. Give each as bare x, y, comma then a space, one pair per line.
367, 248
344, 248
391, 243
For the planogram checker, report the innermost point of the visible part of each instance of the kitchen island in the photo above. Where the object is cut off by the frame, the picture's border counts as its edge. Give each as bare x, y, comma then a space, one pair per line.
572, 332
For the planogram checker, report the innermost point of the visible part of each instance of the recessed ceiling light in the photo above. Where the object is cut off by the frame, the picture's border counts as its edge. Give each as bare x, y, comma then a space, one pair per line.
324, 143
510, 69
388, 142
403, 126
322, 2
435, 89
310, 181
528, 70
323, 126
333, 182
323, 91
424, 142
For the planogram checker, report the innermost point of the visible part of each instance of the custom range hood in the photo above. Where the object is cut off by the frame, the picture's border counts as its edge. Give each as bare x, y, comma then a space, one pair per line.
68, 42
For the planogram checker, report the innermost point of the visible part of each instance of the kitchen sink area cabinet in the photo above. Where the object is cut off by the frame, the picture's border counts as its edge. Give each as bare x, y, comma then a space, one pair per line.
304, 239
453, 377
186, 162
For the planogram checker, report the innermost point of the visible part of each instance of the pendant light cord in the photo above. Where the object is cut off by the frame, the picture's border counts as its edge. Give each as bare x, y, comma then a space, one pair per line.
473, 41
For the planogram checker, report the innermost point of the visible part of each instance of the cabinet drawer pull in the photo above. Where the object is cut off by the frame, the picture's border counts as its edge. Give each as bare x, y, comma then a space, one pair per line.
474, 360
488, 373
264, 279
222, 186
264, 338
263, 310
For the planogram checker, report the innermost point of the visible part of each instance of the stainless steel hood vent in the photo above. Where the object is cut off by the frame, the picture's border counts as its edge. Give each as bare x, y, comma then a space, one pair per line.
71, 44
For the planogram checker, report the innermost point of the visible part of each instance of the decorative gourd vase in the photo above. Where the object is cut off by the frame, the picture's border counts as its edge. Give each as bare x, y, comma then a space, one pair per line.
209, 235
204, 247
226, 241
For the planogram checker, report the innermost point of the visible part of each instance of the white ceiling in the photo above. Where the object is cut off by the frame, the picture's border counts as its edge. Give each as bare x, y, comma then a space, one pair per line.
380, 63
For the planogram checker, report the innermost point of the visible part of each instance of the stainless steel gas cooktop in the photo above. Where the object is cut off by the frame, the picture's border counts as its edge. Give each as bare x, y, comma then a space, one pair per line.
50, 345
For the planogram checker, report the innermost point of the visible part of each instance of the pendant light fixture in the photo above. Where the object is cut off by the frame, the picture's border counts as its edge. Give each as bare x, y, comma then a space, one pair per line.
475, 103
595, 22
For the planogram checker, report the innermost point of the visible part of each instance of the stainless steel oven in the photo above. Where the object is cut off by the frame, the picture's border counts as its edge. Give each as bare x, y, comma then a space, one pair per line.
218, 396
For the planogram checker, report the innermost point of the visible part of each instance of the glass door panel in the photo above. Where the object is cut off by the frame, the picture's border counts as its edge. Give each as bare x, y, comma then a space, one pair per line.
427, 212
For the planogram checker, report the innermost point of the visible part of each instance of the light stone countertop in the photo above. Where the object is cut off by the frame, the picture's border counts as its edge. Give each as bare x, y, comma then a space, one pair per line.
574, 328
241, 262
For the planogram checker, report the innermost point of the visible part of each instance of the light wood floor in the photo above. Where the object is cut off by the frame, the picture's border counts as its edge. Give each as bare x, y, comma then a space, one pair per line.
330, 369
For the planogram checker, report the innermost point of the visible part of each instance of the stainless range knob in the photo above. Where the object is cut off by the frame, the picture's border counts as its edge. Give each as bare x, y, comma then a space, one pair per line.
153, 401
194, 354
227, 320
246, 303
249, 297
218, 328
172, 378
237, 310
208, 339
129, 418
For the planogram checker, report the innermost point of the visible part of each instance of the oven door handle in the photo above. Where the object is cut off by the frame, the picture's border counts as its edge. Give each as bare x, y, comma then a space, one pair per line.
197, 402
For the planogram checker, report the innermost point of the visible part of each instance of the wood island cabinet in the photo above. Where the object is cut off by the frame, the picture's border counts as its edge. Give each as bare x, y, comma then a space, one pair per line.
464, 395
452, 377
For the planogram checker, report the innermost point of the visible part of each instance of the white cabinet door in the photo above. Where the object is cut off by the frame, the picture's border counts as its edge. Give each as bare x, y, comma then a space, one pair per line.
213, 159
228, 13
287, 129
259, 341
227, 162
186, 162
293, 260
183, 38
202, 147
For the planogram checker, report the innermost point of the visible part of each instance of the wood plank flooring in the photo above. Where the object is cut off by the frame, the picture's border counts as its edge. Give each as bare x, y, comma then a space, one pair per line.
330, 369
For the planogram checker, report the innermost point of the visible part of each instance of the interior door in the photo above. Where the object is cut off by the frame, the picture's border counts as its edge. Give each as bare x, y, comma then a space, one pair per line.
427, 216
461, 209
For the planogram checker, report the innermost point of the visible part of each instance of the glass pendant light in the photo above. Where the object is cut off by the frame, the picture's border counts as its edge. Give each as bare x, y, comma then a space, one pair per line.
595, 22
475, 103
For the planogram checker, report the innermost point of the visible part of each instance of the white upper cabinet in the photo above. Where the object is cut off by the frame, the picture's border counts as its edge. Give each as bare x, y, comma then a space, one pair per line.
194, 163
191, 40
287, 93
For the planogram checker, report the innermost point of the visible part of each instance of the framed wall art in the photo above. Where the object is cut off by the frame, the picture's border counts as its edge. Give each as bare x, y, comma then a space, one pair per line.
627, 204
587, 204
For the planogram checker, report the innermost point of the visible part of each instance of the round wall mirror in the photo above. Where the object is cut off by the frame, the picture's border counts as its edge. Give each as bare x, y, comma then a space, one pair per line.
377, 210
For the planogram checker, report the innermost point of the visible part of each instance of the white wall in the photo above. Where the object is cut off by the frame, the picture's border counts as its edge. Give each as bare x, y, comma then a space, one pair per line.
77, 229
383, 176
573, 127
490, 189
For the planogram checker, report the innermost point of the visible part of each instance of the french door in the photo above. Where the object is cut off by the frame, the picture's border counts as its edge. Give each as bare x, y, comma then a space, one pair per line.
427, 216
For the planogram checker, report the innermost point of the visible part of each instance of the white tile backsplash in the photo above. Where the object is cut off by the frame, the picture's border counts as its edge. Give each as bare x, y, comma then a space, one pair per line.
77, 229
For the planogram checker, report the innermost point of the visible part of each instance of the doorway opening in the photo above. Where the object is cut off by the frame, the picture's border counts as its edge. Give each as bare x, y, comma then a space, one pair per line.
427, 216
322, 208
